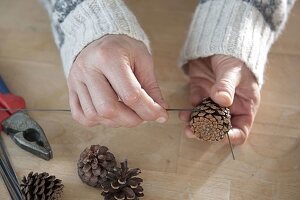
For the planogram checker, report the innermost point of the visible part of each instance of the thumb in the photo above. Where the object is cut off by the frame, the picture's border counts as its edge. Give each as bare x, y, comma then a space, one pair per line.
228, 75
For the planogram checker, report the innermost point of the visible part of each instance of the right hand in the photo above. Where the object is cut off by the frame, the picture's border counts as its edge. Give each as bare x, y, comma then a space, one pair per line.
230, 83
112, 83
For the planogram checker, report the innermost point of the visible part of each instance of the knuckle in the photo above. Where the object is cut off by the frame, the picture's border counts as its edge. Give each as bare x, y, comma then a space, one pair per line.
226, 85
90, 115
104, 52
107, 51
106, 110
132, 97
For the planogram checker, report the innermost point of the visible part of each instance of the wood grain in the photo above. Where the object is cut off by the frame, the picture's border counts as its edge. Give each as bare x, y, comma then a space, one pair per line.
174, 167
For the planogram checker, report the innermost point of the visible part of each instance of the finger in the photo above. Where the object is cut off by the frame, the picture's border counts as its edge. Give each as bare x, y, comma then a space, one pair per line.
188, 132
149, 82
201, 79
243, 114
228, 76
107, 105
128, 88
76, 109
200, 82
241, 129
237, 136
89, 117
198, 90
184, 116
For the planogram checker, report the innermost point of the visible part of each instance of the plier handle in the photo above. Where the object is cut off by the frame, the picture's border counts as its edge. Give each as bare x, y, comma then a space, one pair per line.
24, 131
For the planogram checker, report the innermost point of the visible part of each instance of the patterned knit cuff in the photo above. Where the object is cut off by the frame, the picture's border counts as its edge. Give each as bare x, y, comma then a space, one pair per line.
93, 19
230, 27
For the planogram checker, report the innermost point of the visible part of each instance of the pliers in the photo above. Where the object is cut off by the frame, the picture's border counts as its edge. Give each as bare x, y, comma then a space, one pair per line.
23, 130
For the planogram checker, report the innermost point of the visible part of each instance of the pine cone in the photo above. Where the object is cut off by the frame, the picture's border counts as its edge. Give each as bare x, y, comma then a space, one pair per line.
123, 184
41, 187
93, 164
210, 121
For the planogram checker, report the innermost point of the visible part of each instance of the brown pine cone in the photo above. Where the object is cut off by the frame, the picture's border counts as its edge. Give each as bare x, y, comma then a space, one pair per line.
41, 187
210, 121
93, 164
123, 184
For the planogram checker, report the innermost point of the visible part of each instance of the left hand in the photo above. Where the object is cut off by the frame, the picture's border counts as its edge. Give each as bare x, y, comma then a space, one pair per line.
230, 84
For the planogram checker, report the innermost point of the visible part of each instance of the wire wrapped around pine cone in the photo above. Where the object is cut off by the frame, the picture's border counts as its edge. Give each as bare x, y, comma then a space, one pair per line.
210, 121
94, 163
123, 184
41, 187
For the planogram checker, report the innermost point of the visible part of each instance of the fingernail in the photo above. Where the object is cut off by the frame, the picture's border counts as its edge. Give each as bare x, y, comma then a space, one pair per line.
161, 120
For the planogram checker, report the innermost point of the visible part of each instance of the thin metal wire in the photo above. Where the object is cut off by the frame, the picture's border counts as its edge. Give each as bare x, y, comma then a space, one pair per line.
231, 148
69, 110
35, 109
181, 109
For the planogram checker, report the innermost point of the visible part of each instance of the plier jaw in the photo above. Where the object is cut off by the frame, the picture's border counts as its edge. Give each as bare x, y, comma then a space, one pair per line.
24, 131
28, 135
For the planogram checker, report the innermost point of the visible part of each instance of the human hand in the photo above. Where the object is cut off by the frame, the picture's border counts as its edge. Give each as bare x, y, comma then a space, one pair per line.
229, 83
112, 83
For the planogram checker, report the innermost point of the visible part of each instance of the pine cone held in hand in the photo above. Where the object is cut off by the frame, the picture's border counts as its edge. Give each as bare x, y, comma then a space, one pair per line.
93, 164
123, 184
41, 187
210, 121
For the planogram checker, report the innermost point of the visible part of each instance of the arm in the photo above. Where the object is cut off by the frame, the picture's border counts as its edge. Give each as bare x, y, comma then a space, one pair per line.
107, 61
77, 23
225, 55
242, 29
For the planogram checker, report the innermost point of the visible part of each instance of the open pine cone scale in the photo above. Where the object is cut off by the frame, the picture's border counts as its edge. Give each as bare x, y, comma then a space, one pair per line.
41, 187
94, 163
122, 184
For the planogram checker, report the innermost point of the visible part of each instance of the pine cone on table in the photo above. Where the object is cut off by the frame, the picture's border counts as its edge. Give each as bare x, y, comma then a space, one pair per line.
123, 184
41, 187
94, 163
210, 121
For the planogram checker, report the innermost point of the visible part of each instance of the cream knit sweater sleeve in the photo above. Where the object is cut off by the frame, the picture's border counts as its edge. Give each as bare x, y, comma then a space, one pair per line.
244, 29
76, 23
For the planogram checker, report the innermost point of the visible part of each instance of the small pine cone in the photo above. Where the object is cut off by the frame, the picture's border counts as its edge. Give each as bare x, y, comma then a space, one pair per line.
123, 184
93, 164
210, 121
41, 187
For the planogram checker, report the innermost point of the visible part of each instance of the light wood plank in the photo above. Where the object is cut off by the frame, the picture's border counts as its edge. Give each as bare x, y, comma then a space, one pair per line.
174, 167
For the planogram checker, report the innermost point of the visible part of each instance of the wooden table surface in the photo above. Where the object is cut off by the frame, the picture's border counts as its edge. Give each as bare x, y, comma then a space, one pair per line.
174, 167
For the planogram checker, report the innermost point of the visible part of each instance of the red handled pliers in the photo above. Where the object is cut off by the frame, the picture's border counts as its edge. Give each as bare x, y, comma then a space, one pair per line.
24, 131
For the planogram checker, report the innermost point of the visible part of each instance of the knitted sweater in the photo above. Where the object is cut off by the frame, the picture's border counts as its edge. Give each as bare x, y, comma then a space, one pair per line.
244, 29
